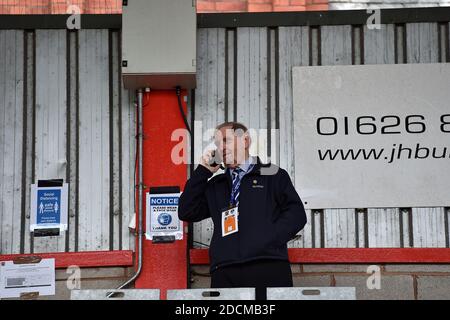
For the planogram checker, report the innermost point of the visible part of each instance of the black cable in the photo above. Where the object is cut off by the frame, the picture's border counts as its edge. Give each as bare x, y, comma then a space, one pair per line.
180, 106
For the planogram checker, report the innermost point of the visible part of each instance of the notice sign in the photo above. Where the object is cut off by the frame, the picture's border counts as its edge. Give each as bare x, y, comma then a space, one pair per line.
162, 216
49, 207
372, 135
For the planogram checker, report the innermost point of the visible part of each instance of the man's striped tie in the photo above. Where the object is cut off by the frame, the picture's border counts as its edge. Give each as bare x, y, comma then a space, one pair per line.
235, 186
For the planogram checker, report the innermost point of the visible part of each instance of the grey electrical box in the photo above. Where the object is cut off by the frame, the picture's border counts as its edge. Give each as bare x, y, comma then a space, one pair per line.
159, 44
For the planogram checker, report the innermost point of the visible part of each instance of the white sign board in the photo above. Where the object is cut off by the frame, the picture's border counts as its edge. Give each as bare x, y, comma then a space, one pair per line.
16, 279
49, 207
162, 216
372, 136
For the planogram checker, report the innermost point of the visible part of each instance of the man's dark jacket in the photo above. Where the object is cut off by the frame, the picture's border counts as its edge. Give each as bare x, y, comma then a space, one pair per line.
270, 213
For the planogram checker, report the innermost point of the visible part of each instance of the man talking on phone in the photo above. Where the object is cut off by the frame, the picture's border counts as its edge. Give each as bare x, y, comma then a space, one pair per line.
255, 210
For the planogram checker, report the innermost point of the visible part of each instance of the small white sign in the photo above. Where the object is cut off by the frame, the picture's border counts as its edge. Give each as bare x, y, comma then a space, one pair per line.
49, 207
162, 216
16, 279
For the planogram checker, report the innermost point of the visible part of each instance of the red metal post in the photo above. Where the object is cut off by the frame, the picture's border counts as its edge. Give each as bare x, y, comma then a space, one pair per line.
164, 265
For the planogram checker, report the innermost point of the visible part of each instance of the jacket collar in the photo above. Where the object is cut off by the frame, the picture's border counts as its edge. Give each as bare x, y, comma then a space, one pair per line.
256, 170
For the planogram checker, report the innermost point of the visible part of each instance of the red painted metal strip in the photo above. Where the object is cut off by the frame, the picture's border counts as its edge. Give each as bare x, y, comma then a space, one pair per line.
123, 258
164, 265
352, 255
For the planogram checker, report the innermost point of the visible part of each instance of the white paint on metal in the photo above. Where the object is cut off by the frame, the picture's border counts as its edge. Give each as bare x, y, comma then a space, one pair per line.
212, 294
312, 293
11, 135
94, 130
51, 113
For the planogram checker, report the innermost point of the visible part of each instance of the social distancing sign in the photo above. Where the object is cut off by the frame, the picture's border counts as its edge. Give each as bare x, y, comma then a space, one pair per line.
49, 207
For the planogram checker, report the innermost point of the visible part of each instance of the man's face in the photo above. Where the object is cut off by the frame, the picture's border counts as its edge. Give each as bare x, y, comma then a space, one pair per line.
231, 145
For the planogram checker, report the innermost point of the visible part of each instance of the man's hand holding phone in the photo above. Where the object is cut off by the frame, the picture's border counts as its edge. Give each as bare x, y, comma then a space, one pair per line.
210, 161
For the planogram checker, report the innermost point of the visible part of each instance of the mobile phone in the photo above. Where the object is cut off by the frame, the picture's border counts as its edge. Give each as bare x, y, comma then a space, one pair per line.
212, 161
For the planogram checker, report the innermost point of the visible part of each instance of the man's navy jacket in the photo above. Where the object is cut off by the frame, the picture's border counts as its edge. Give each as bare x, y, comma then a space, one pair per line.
270, 213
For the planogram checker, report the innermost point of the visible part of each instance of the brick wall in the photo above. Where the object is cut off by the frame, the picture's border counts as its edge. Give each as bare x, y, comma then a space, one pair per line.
260, 5
115, 6
366, 4
398, 282
59, 6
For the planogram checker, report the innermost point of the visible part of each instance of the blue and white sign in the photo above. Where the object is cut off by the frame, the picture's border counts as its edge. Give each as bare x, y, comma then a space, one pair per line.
49, 207
162, 216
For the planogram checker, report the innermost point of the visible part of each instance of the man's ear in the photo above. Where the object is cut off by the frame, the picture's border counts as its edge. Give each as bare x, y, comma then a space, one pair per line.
248, 140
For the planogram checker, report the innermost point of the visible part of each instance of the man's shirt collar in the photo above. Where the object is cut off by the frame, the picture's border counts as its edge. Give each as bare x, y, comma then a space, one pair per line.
247, 165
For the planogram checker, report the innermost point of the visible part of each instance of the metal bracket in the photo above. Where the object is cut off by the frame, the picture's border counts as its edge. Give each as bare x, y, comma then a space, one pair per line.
163, 239
46, 232
144, 186
29, 295
27, 260
144, 136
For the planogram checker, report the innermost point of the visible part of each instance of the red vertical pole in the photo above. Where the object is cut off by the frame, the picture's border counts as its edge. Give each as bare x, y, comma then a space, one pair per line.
164, 265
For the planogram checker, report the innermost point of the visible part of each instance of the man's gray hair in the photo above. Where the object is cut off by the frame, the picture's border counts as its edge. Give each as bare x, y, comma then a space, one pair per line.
234, 125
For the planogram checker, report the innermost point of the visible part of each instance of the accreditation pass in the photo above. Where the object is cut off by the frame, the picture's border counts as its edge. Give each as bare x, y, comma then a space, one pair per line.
230, 221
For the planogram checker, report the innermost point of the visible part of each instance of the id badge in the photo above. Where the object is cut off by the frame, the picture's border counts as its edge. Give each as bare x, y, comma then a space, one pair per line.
230, 221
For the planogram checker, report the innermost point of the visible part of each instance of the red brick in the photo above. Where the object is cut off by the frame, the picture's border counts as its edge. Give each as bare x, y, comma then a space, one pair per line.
33, 3
281, 2
317, 7
206, 6
115, 6
289, 8
17, 10
5, 10
231, 6
259, 7
59, 8
299, 2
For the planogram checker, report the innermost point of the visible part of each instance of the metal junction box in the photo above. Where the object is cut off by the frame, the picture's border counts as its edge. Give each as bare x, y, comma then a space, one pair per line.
159, 44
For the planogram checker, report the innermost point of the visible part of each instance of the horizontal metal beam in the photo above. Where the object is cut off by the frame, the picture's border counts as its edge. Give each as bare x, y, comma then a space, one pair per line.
352, 255
240, 19
119, 258
318, 18
59, 21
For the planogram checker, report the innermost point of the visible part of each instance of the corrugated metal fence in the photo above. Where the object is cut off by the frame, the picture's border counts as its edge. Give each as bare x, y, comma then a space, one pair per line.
64, 114
244, 74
